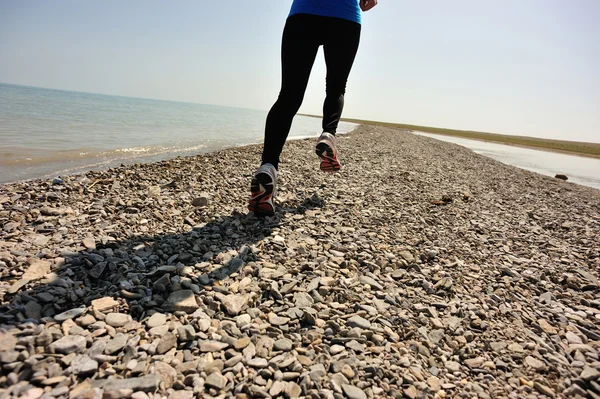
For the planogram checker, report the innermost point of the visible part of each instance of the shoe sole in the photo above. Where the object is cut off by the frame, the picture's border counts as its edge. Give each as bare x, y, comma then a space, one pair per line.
261, 195
329, 161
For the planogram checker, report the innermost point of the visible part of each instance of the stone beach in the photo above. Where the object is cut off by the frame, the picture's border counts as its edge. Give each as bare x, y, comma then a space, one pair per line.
420, 270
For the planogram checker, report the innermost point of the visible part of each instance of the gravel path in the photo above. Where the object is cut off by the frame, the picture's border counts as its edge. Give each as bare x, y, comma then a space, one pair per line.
421, 270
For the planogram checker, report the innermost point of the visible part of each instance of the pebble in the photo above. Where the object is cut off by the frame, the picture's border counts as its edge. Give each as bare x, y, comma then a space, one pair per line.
117, 319
357, 321
183, 301
365, 288
69, 344
167, 342
283, 345
156, 320
69, 314
353, 392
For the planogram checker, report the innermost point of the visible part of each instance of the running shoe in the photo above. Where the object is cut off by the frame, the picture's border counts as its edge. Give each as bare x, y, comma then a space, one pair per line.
327, 152
262, 191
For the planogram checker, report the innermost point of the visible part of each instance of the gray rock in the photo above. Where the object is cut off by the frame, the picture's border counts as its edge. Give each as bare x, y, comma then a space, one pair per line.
83, 365
243, 320
234, 303
166, 343
257, 362
201, 201
535, 363
452, 366
590, 374
69, 314
116, 344
370, 281
212, 346
357, 321
303, 300
117, 319
216, 380
33, 310
284, 345
277, 320
69, 344
167, 374
147, 383
186, 333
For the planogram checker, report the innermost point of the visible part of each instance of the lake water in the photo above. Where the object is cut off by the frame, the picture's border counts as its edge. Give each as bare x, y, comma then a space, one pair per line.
581, 170
47, 133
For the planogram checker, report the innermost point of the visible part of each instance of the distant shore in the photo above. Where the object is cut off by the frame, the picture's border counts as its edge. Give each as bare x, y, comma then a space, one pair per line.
591, 150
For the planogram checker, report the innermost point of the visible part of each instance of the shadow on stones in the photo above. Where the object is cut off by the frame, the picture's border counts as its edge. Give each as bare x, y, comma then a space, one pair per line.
145, 269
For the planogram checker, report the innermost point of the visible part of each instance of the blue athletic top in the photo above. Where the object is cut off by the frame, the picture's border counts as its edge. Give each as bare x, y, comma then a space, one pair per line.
346, 9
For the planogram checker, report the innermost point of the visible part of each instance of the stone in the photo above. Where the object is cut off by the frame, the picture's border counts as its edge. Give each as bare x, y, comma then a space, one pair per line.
234, 304
116, 344
83, 365
535, 363
407, 256
547, 327
590, 374
147, 383
242, 343
103, 304
166, 373
515, 347
69, 314
117, 319
69, 344
243, 320
201, 201
7, 341
284, 345
335, 349
257, 362
216, 380
371, 282
32, 393
212, 346
411, 392
182, 395
89, 243
166, 343
277, 320
573, 338
276, 388
452, 366
183, 300
186, 333
474, 362
156, 320
357, 321
546, 298
293, 390
38, 269
33, 310
303, 300
353, 392
117, 393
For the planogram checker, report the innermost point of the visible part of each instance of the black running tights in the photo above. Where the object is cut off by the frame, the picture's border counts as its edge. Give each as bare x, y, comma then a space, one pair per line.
302, 36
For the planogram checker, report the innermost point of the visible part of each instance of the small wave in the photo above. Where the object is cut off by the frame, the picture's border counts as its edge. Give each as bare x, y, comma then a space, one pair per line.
141, 149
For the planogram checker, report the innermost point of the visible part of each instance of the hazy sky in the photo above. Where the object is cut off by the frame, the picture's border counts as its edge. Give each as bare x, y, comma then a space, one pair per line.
526, 67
